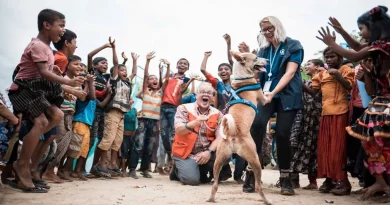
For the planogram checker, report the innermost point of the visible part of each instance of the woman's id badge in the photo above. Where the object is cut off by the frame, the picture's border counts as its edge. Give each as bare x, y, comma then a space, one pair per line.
267, 86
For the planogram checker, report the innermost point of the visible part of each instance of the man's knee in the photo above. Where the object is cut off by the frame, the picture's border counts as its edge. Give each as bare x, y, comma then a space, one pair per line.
188, 179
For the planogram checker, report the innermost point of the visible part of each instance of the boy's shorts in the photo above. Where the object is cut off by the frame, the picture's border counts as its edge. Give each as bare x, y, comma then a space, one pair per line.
27, 125
82, 130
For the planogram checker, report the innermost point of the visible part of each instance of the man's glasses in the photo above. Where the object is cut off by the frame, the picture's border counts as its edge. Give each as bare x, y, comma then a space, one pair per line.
206, 93
269, 30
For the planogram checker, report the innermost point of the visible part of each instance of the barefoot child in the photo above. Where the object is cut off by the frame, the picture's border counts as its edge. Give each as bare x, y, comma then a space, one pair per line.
36, 92
373, 126
147, 131
65, 48
334, 84
64, 134
82, 121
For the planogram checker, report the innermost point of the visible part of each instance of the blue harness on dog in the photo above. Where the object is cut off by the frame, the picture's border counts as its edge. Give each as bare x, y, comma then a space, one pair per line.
236, 99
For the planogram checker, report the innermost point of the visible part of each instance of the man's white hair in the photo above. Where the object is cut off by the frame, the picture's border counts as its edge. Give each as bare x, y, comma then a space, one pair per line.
205, 84
279, 33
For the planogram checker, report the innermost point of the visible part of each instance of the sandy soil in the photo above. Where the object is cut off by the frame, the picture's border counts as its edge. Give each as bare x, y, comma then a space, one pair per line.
160, 190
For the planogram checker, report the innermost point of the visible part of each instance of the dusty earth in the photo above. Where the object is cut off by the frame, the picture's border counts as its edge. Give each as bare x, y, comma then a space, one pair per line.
160, 190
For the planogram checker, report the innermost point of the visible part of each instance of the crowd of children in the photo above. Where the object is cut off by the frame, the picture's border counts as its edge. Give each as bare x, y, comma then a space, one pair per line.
62, 106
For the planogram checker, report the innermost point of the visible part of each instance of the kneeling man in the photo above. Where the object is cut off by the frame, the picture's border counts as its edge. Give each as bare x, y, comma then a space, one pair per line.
196, 139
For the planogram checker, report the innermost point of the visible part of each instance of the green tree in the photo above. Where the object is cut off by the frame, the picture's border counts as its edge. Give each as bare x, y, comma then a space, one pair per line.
303, 73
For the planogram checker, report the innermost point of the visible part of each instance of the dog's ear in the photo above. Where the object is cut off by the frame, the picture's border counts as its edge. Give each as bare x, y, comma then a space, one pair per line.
237, 55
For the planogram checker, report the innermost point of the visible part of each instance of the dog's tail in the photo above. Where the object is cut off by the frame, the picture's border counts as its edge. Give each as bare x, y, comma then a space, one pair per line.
228, 126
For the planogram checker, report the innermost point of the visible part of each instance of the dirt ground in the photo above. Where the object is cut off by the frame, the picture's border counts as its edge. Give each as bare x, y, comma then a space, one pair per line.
160, 190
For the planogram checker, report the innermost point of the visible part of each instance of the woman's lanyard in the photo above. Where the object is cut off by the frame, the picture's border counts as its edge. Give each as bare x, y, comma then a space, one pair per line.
272, 60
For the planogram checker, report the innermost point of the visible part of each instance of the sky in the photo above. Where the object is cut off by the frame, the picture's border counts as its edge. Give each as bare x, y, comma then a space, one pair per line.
172, 28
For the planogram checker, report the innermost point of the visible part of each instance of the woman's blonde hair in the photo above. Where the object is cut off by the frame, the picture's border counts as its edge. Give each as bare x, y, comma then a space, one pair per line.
279, 33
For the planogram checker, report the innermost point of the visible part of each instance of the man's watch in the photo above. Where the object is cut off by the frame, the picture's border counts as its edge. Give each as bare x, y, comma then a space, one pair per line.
211, 151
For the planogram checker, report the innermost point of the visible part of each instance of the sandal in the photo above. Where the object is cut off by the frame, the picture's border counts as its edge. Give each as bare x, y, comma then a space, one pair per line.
39, 181
90, 176
115, 171
14, 184
102, 172
43, 186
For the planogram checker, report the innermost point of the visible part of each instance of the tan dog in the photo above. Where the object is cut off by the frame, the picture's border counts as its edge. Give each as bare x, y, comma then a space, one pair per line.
235, 126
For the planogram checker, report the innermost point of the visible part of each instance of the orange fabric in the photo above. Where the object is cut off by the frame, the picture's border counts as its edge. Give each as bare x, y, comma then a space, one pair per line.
183, 144
172, 91
61, 61
83, 130
331, 147
334, 95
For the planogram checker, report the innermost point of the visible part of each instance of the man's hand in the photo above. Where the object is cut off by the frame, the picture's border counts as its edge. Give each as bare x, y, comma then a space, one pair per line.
201, 118
134, 56
203, 157
150, 55
207, 54
227, 39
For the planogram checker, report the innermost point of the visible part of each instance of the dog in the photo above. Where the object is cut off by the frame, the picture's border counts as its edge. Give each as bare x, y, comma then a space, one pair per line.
235, 126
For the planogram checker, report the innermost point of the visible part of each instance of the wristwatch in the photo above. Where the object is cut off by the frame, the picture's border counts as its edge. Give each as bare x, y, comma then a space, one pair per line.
211, 151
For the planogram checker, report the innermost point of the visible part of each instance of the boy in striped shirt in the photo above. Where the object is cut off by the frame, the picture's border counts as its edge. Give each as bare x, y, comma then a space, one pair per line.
148, 125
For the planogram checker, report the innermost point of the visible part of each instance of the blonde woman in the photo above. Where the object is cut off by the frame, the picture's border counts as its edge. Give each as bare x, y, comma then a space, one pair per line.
282, 84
